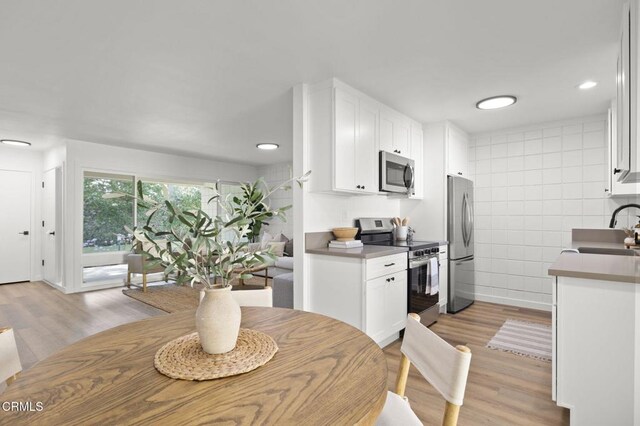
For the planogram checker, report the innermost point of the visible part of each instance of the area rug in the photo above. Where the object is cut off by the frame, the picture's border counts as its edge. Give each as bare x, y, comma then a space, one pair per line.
523, 338
173, 298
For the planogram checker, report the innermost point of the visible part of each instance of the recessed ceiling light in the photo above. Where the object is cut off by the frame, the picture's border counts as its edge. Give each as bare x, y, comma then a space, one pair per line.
588, 84
15, 142
268, 146
496, 102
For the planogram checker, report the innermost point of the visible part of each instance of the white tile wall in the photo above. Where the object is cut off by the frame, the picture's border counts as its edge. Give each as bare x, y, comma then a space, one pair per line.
531, 188
274, 175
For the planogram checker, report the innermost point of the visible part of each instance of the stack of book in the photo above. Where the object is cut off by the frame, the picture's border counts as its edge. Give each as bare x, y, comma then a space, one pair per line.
345, 244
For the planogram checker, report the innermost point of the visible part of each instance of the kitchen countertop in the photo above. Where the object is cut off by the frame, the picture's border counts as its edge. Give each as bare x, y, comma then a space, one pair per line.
596, 244
597, 266
366, 252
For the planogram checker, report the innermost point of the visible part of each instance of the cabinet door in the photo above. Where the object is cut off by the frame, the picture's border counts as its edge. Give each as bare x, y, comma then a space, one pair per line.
623, 97
386, 131
457, 156
417, 154
401, 132
376, 321
613, 187
346, 115
396, 297
366, 164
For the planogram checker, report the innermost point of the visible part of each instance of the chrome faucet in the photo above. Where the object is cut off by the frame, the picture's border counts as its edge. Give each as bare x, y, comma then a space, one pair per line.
612, 223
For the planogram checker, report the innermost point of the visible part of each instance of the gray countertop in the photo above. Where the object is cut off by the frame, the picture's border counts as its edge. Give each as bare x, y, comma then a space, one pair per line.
366, 252
597, 244
597, 266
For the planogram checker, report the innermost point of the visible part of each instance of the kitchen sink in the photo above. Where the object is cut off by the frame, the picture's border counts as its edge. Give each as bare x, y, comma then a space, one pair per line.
611, 251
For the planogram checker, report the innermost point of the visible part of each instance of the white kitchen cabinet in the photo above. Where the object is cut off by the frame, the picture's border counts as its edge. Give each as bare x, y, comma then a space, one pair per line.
612, 186
386, 305
417, 154
346, 130
596, 350
356, 123
370, 294
627, 164
343, 133
457, 146
394, 133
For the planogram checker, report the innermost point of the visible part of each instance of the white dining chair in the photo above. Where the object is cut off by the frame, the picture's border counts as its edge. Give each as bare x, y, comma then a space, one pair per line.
259, 297
446, 368
9, 359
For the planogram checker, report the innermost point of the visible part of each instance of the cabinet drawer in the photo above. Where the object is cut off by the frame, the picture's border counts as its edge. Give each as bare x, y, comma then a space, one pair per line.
385, 265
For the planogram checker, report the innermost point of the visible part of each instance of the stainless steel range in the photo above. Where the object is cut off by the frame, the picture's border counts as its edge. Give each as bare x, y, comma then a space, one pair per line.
422, 259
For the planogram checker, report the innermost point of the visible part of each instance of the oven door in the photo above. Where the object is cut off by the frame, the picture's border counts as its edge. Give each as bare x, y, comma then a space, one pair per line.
397, 174
419, 300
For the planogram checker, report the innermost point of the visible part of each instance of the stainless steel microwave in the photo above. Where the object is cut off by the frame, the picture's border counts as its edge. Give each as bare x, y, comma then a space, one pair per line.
397, 174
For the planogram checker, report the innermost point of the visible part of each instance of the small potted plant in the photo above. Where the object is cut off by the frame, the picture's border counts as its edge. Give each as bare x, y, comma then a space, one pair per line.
199, 249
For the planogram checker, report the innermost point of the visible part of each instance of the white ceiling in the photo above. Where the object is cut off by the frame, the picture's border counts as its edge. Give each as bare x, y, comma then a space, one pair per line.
213, 78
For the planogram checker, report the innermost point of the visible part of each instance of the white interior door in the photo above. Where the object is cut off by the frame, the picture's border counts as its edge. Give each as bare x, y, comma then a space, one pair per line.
15, 226
50, 225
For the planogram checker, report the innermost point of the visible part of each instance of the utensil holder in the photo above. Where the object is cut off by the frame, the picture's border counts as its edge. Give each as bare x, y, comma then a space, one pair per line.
401, 233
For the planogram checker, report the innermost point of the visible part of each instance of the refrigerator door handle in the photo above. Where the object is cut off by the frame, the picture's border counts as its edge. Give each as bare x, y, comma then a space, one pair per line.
471, 220
463, 221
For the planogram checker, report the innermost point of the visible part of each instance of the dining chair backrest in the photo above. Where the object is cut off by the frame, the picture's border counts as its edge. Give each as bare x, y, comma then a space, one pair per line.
446, 368
259, 297
9, 359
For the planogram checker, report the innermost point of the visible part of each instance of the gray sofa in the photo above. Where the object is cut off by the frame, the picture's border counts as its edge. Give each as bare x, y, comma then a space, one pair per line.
282, 274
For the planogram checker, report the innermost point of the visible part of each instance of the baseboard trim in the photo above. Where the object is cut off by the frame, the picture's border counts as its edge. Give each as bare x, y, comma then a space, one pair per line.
514, 302
385, 342
56, 286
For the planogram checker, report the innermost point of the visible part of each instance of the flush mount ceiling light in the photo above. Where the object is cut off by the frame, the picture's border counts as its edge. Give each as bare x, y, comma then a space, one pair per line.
587, 85
496, 102
14, 142
268, 146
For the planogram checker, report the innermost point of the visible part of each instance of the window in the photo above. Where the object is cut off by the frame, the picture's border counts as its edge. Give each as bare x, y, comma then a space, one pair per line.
183, 196
105, 218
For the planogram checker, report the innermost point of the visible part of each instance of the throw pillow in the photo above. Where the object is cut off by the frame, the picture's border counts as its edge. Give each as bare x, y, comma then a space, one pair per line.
277, 248
288, 248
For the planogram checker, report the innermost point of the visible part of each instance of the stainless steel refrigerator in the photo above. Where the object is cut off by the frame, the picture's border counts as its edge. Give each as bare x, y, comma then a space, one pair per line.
460, 236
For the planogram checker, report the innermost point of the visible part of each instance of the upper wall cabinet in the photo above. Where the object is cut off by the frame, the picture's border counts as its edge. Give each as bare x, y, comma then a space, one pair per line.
457, 144
394, 133
356, 125
613, 186
345, 132
627, 160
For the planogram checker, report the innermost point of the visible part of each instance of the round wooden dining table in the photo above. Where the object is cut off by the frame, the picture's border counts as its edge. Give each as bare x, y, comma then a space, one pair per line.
325, 372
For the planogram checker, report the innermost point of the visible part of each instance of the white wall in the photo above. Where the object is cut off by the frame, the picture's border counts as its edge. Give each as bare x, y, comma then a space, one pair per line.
428, 216
274, 175
83, 156
532, 186
28, 160
327, 211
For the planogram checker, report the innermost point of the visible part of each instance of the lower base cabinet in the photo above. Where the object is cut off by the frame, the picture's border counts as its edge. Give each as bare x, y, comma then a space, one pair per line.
362, 293
385, 305
596, 350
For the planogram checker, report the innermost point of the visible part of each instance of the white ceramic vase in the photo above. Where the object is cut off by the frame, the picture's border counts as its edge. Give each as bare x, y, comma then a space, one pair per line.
218, 320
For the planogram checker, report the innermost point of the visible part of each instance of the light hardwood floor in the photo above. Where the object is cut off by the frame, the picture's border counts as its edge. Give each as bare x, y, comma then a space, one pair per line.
45, 320
503, 389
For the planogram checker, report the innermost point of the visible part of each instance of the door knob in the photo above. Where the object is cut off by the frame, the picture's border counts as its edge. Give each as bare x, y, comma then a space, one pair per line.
23, 233
52, 233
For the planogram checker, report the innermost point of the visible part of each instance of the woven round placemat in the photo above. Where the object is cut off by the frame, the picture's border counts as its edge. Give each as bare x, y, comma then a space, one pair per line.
183, 358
